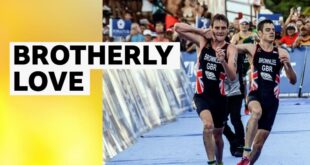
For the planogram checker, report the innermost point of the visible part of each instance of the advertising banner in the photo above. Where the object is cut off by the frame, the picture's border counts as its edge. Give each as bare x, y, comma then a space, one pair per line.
120, 27
275, 19
135, 101
297, 62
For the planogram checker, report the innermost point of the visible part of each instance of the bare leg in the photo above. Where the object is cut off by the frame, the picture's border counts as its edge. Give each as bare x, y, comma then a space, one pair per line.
245, 92
258, 143
208, 138
256, 113
218, 132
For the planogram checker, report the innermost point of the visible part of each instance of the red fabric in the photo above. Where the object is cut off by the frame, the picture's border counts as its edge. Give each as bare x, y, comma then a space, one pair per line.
170, 21
158, 40
151, 27
288, 40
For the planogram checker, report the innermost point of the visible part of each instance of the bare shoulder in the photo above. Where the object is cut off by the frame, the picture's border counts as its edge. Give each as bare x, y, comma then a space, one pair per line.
283, 52
232, 50
202, 43
235, 36
202, 39
232, 47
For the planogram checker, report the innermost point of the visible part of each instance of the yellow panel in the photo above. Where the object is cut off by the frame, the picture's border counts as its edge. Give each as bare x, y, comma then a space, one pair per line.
50, 130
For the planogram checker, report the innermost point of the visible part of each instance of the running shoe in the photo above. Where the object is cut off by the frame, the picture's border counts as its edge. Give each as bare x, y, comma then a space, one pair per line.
244, 161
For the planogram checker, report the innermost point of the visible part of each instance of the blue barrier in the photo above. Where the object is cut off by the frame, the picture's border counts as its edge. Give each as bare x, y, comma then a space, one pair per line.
305, 86
189, 61
297, 61
135, 101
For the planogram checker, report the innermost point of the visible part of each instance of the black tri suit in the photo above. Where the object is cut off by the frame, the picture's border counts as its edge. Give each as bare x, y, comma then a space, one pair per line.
210, 88
265, 84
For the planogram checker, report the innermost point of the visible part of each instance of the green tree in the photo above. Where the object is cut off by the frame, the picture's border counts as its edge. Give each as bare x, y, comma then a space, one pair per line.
283, 6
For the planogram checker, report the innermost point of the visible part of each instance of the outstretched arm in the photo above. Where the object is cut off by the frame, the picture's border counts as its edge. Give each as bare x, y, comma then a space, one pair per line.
191, 33
290, 73
234, 39
246, 48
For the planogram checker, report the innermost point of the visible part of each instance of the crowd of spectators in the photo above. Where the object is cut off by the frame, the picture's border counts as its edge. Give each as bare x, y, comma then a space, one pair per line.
153, 21
295, 30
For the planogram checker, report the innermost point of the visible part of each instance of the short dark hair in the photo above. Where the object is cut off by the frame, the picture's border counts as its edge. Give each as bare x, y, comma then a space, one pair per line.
260, 25
219, 17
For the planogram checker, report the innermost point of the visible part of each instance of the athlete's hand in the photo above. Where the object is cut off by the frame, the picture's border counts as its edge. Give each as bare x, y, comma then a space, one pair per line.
207, 33
285, 61
220, 55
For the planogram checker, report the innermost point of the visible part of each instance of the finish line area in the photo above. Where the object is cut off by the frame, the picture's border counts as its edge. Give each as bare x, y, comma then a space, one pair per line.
180, 142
